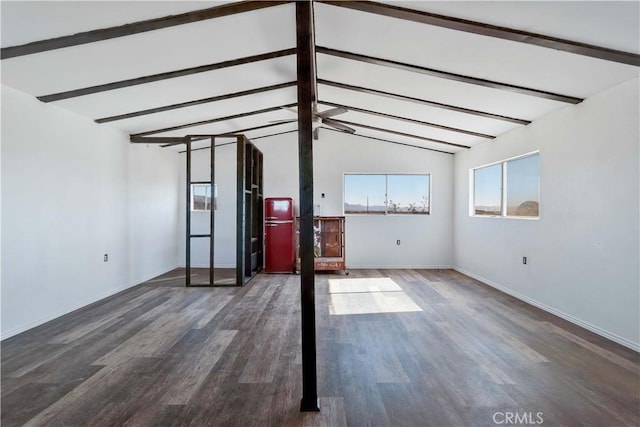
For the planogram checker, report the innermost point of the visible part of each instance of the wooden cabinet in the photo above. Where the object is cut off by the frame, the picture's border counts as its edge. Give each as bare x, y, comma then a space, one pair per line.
328, 247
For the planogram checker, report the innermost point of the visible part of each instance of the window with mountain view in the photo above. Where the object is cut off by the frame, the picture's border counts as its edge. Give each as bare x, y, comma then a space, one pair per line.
508, 188
522, 186
386, 194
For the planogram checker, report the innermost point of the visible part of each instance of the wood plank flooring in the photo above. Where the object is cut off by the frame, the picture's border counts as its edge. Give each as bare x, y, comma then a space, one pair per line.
395, 348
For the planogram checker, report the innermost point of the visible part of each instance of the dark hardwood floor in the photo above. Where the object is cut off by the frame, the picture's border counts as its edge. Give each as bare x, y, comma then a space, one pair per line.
395, 348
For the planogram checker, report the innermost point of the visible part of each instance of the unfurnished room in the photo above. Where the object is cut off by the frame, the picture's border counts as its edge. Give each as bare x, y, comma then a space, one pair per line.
320, 213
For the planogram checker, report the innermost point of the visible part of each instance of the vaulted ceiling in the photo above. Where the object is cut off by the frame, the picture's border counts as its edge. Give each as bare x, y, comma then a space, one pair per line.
438, 75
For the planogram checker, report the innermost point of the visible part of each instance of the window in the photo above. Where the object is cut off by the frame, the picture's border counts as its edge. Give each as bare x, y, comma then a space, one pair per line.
487, 187
201, 197
365, 194
386, 194
523, 186
509, 188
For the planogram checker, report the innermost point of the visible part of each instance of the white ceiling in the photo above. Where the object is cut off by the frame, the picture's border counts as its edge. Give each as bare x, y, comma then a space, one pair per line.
184, 89
209, 111
464, 53
49, 19
608, 24
168, 49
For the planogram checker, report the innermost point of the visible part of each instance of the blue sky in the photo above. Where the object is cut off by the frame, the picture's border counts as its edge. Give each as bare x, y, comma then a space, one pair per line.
487, 184
522, 182
403, 189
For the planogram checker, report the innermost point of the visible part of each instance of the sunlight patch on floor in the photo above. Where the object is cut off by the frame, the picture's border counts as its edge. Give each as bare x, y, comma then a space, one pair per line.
368, 296
378, 284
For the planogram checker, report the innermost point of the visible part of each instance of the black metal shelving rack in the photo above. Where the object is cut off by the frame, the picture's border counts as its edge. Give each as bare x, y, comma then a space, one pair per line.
249, 218
250, 230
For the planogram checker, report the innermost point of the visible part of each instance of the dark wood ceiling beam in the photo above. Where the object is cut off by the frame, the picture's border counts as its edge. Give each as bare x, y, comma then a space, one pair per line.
390, 142
173, 140
164, 76
408, 120
208, 147
241, 131
225, 134
273, 134
491, 31
135, 28
332, 130
424, 102
216, 120
449, 76
195, 102
235, 142
395, 132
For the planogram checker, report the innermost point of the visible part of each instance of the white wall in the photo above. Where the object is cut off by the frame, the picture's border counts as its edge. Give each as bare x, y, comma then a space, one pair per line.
583, 253
153, 208
72, 191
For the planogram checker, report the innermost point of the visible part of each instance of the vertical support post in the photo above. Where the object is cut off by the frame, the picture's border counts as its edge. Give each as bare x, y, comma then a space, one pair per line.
187, 141
306, 89
212, 215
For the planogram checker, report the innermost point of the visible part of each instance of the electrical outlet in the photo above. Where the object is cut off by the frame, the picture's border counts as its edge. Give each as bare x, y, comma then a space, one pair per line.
524, 259
398, 242
106, 257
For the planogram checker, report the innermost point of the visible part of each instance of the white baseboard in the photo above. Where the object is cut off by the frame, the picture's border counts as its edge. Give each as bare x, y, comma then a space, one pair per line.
77, 305
586, 325
399, 267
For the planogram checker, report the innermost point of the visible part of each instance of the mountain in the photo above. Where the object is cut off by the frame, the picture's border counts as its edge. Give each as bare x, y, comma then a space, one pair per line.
356, 208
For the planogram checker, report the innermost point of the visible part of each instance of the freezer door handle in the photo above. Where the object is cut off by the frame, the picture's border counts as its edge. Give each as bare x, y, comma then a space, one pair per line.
271, 225
272, 217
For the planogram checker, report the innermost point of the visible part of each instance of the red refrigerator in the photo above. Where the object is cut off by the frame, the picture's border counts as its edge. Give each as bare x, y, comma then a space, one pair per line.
278, 229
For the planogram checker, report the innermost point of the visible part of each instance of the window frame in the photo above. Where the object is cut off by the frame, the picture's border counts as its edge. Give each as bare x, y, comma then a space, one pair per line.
503, 189
386, 195
212, 197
